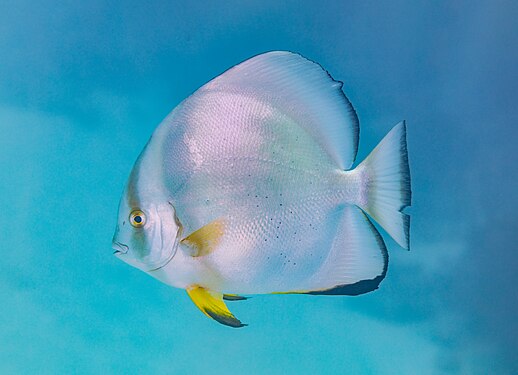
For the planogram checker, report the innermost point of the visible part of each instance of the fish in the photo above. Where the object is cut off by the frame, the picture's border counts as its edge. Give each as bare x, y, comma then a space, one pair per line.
248, 187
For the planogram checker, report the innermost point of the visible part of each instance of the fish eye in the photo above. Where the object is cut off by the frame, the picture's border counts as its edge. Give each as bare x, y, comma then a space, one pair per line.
137, 218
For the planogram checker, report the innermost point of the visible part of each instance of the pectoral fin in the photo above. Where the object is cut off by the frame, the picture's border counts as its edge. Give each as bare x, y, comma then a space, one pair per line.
211, 304
206, 239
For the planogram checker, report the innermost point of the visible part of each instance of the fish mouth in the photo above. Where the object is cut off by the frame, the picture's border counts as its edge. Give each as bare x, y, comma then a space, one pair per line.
120, 248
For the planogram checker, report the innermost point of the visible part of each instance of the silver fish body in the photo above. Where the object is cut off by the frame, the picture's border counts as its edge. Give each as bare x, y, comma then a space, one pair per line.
260, 157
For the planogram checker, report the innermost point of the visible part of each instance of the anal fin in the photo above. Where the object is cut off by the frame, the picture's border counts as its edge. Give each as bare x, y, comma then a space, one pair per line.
357, 261
211, 304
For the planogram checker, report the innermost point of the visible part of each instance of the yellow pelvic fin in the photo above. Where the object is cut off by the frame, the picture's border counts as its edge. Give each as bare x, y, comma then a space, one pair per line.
211, 304
206, 239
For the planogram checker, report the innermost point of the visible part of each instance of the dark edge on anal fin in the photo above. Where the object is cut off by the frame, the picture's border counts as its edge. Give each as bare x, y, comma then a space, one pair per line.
362, 286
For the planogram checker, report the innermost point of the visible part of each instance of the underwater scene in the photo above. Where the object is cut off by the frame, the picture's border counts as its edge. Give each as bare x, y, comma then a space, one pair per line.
258, 187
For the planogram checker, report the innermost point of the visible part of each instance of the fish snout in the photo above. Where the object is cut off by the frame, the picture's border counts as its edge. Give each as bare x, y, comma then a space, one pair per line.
119, 247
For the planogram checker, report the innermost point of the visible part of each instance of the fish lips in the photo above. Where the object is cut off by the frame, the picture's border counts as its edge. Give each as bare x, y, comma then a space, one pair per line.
121, 251
120, 248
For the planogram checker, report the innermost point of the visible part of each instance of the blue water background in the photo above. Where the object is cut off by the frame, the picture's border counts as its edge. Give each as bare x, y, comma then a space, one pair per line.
82, 87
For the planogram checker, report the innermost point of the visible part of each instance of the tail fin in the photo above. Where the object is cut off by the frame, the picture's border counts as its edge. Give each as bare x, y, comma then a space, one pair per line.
385, 184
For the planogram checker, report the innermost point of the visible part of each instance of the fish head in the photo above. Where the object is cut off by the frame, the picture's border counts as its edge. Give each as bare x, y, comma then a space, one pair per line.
147, 233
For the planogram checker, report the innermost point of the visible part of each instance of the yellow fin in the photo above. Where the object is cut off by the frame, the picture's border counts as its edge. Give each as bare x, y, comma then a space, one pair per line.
206, 239
211, 304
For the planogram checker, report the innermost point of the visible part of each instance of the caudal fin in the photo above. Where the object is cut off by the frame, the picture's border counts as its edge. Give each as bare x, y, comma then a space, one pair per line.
385, 184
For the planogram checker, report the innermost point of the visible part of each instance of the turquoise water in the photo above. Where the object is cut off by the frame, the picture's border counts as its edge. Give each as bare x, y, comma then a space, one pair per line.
83, 85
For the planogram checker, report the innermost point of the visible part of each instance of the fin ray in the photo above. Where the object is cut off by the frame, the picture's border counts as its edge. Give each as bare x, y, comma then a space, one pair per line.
385, 174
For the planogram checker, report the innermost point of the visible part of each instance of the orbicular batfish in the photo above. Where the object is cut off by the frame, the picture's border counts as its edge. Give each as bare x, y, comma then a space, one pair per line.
248, 187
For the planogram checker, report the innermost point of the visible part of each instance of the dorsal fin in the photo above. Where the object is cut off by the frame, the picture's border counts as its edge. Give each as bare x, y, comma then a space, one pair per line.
303, 90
